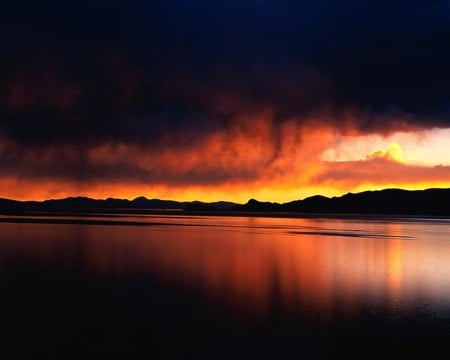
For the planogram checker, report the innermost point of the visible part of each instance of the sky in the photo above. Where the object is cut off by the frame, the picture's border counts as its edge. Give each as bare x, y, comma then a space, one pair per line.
223, 100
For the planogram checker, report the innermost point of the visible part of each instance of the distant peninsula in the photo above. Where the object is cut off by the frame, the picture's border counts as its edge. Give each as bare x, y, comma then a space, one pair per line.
382, 202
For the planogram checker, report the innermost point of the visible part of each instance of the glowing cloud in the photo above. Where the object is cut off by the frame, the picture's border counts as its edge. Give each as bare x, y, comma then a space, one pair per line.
393, 152
192, 102
253, 157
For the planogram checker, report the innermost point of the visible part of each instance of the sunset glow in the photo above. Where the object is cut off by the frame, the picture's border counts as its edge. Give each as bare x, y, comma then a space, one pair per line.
228, 179
281, 106
236, 165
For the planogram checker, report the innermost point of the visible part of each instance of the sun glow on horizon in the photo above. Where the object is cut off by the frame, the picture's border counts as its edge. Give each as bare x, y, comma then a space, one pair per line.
247, 163
237, 194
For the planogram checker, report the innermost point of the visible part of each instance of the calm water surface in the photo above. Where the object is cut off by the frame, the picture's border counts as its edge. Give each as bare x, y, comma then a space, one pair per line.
221, 287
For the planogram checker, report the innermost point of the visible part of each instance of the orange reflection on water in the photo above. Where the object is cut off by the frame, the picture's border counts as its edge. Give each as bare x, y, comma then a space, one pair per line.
257, 266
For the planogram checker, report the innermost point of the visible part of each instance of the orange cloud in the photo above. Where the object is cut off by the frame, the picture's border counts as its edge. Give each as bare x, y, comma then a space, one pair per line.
381, 172
253, 156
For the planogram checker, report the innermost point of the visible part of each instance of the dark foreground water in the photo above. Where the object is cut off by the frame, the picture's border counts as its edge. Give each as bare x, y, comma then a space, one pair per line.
223, 287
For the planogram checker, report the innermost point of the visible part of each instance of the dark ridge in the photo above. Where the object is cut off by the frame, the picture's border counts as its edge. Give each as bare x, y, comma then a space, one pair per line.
6, 203
386, 202
383, 202
198, 206
255, 205
84, 204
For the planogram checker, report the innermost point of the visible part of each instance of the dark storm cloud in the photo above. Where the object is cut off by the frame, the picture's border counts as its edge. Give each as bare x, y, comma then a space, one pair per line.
169, 72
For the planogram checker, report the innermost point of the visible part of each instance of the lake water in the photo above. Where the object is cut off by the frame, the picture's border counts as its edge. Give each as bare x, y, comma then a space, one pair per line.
220, 287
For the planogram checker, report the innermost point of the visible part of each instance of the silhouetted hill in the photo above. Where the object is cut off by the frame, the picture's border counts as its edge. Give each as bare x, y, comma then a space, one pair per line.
388, 201
87, 204
255, 205
144, 203
198, 206
8, 203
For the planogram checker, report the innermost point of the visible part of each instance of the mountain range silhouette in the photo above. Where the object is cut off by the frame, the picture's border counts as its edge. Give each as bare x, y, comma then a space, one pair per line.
386, 202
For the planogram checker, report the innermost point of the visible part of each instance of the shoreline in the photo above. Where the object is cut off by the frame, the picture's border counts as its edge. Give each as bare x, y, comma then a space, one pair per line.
21, 215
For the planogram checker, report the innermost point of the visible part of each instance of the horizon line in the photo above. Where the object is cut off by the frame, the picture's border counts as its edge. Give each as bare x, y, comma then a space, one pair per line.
228, 201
